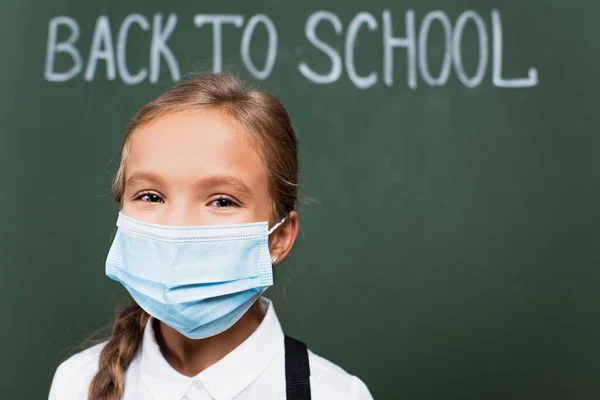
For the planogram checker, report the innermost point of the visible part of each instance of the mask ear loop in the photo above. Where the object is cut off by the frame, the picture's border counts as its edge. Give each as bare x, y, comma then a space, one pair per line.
277, 225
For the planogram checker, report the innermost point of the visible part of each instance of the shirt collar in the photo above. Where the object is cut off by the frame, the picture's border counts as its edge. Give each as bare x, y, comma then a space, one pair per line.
246, 362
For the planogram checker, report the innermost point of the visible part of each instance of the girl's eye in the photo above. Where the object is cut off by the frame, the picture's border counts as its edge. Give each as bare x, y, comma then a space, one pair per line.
149, 198
223, 202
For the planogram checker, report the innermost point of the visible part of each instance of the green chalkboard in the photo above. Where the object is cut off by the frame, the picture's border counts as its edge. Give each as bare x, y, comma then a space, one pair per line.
451, 148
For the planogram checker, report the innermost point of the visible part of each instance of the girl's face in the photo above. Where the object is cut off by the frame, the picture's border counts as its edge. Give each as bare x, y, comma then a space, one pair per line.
200, 169
195, 169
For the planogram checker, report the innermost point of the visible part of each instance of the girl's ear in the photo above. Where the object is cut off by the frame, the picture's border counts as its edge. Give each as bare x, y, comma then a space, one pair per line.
283, 238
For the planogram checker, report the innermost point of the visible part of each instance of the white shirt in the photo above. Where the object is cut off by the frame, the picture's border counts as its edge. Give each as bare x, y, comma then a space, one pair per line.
253, 370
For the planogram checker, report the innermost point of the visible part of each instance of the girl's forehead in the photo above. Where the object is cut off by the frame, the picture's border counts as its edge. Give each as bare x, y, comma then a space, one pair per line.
205, 142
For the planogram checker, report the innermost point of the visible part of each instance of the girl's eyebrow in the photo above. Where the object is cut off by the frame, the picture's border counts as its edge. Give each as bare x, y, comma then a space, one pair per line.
139, 177
236, 184
226, 180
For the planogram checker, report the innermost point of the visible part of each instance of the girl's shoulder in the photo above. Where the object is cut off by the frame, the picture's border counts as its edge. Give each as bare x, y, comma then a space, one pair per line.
73, 376
329, 380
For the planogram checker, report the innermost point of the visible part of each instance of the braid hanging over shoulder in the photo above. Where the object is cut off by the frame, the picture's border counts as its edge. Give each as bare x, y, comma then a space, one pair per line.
127, 332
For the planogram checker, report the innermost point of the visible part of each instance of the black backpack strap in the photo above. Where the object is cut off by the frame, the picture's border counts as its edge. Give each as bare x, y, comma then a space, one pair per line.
297, 370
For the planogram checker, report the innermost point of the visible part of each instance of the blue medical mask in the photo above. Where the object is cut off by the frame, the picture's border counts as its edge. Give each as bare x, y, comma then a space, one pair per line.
197, 280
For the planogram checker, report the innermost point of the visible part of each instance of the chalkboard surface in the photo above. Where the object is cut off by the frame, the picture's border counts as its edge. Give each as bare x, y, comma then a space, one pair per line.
451, 147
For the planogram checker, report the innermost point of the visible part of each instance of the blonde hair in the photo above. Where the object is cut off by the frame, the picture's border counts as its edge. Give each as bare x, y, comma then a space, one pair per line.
267, 124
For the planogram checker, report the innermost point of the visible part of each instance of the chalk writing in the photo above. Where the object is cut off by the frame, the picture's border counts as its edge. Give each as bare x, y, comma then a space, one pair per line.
398, 33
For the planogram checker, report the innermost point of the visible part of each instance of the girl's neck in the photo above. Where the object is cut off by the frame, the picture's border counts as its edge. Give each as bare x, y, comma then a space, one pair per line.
189, 357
